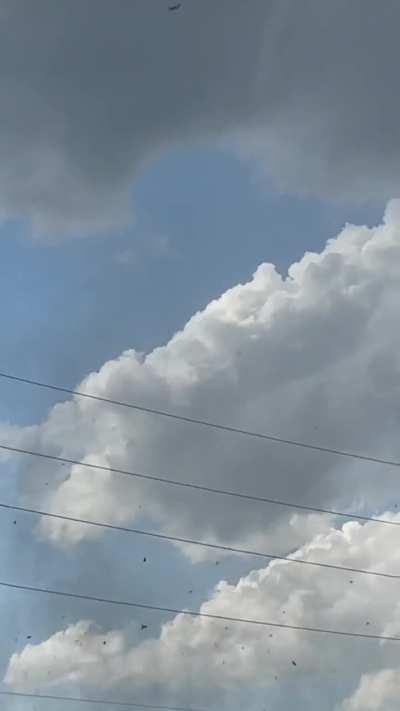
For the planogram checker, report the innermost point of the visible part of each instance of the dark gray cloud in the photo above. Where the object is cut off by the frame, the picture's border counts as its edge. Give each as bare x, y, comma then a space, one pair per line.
92, 91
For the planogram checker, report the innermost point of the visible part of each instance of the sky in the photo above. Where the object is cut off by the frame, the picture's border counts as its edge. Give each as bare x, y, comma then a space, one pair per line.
199, 213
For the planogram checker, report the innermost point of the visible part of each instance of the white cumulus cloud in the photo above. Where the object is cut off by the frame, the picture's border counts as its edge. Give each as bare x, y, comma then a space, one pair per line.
377, 691
312, 356
222, 657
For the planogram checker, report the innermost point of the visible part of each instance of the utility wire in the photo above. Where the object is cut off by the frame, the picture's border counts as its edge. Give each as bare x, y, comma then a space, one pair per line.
196, 487
204, 423
195, 613
104, 702
192, 542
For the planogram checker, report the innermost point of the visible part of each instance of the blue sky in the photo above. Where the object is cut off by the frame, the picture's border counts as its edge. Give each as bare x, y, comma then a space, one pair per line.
203, 224
204, 220
150, 162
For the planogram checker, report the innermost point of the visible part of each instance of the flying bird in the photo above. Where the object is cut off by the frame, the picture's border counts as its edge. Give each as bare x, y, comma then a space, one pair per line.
172, 8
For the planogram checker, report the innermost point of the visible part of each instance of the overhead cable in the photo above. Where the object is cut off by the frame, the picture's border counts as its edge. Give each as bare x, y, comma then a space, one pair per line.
197, 487
193, 542
104, 702
204, 423
195, 613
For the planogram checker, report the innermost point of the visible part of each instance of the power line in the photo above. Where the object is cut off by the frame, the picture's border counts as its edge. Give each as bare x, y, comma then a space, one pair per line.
204, 423
104, 702
197, 487
192, 542
195, 613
